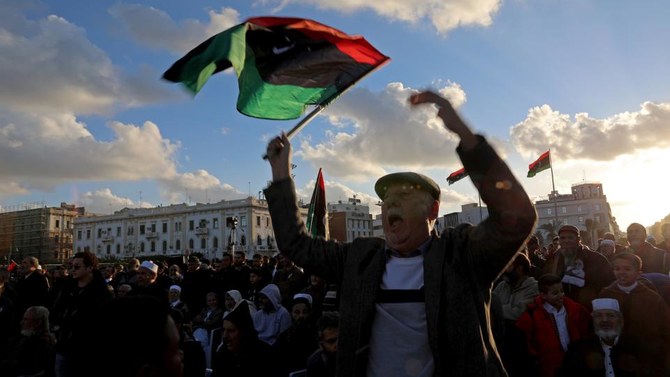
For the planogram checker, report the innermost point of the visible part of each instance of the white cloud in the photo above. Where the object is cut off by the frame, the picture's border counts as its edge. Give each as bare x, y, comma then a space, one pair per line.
155, 28
103, 201
443, 15
590, 138
198, 186
41, 151
385, 133
49, 65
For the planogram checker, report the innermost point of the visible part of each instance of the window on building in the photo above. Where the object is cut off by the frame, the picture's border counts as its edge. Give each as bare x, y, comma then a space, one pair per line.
165, 226
267, 222
580, 219
109, 249
164, 248
142, 229
153, 246
99, 232
203, 243
118, 231
597, 207
79, 234
243, 221
118, 248
259, 240
243, 240
67, 225
564, 210
215, 223
597, 218
202, 223
191, 244
258, 221
177, 245
57, 224
549, 211
269, 241
141, 247
191, 225
215, 242
153, 228
579, 208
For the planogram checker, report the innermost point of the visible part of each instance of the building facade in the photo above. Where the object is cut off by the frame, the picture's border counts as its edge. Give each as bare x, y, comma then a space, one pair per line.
586, 208
350, 220
42, 232
180, 229
471, 213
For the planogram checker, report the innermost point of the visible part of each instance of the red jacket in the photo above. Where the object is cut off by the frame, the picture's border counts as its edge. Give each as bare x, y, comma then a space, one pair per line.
541, 332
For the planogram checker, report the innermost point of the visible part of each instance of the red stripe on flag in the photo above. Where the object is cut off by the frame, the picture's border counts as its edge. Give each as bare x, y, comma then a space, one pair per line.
353, 45
543, 157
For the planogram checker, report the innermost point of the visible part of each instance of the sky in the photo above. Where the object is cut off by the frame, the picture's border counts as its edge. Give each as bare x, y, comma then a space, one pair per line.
86, 119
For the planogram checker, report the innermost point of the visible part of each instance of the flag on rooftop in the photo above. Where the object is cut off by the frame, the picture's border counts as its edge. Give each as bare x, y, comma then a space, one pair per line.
282, 64
317, 216
456, 176
542, 163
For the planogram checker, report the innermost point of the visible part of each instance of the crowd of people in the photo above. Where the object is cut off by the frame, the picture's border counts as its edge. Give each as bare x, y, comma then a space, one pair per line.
85, 319
484, 300
560, 301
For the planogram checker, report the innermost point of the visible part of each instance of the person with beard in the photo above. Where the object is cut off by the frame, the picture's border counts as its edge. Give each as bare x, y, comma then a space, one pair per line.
583, 272
610, 352
413, 295
298, 342
644, 310
31, 353
653, 258
516, 290
147, 282
550, 323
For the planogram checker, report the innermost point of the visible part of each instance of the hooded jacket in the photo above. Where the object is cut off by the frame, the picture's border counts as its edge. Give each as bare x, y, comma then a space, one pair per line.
271, 323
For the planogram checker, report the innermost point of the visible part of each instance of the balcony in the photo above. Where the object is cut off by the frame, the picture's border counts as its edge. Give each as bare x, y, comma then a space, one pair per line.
201, 231
107, 238
151, 235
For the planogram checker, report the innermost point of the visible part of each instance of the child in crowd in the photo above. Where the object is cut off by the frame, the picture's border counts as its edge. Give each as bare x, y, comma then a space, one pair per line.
550, 323
645, 313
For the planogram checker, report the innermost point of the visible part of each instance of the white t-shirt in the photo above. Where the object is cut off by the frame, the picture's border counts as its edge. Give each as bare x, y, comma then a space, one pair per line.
399, 341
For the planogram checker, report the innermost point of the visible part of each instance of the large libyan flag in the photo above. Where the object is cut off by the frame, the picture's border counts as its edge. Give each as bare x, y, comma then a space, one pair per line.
542, 163
282, 64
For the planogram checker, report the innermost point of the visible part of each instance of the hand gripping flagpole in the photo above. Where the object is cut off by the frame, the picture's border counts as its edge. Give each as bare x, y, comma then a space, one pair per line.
322, 106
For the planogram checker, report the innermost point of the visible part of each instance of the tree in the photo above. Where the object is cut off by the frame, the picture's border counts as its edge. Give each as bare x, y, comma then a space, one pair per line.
550, 230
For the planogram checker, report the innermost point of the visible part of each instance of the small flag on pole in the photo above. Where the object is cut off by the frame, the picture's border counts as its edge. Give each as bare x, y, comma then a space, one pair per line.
456, 176
317, 216
282, 64
542, 163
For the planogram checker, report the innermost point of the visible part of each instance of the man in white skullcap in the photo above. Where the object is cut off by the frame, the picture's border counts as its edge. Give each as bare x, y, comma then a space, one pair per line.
609, 352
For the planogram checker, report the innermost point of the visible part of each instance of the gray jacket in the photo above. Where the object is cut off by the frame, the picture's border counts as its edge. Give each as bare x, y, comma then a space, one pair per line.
459, 269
